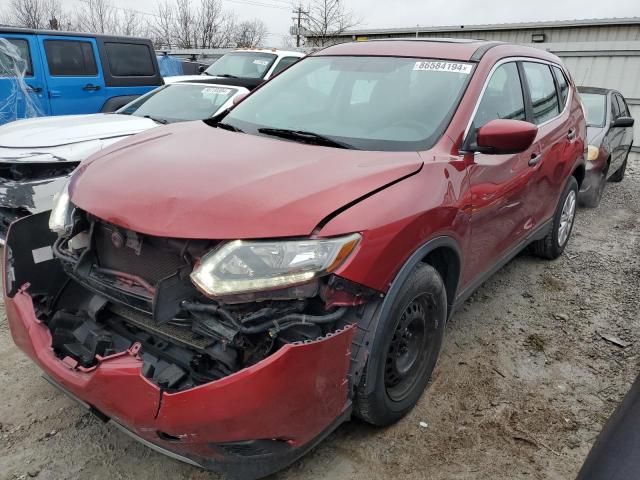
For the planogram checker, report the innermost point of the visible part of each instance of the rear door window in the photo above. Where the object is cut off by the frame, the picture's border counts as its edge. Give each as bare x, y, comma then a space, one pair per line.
129, 60
70, 58
503, 98
563, 87
544, 97
15, 58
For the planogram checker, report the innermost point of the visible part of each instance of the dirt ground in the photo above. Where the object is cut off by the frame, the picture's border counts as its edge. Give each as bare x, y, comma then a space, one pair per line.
524, 383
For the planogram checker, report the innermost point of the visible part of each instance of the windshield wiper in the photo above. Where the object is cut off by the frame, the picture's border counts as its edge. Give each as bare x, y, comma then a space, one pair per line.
157, 120
228, 126
226, 75
311, 137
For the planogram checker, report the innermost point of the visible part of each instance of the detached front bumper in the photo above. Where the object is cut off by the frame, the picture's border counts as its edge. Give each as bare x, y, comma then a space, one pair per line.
593, 174
248, 424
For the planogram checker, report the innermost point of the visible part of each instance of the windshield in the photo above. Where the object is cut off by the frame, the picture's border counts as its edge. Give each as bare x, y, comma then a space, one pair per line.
242, 64
368, 103
596, 105
180, 102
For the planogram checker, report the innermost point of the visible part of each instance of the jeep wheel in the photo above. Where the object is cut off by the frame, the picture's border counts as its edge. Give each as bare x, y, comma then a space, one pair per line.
552, 246
405, 346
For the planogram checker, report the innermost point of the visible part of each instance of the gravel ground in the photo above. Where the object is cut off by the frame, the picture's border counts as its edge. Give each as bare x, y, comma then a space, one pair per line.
524, 383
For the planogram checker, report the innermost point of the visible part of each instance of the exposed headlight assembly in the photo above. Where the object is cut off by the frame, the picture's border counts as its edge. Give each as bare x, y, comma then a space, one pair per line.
251, 266
60, 220
592, 153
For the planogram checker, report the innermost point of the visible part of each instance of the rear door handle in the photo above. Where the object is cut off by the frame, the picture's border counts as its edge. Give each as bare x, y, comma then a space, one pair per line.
91, 88
535, 159
571, 135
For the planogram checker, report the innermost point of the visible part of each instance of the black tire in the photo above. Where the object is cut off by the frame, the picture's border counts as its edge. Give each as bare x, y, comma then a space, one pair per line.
552, 246
618, 176
592, 198
406, 347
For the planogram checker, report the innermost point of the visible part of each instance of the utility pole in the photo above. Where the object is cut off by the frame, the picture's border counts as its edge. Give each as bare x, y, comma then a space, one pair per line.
299, 12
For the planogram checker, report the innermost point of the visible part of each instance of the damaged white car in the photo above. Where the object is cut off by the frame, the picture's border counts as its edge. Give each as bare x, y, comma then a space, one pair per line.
37, 155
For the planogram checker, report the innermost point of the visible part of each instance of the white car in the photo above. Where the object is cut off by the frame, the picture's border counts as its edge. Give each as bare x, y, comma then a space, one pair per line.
245, 67
37, 155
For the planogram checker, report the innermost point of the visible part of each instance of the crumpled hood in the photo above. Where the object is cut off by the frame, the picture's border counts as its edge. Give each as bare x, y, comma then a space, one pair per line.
64, 130
191, 180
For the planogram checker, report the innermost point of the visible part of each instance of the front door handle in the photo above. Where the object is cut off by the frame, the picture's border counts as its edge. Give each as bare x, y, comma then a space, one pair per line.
91, 88
571, 135
535, 159
34, 89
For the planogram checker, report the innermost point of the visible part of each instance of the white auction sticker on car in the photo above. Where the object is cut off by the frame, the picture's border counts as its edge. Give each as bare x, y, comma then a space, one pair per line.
261, 62
215, 91
438, 66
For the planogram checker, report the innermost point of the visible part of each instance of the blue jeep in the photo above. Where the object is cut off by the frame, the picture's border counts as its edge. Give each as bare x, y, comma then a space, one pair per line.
62, 73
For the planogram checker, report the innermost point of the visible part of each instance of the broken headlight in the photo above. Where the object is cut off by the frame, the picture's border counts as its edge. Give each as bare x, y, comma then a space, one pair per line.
60, 220
251, 266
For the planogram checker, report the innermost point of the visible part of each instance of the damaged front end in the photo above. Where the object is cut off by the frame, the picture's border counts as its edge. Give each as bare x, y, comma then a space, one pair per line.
28, 185
247, 380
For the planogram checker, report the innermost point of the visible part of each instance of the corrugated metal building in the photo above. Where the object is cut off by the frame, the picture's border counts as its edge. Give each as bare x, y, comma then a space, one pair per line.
598, 52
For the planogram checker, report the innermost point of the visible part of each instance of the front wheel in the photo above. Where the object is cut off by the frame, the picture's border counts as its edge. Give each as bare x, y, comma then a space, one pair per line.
553, 245
405, 348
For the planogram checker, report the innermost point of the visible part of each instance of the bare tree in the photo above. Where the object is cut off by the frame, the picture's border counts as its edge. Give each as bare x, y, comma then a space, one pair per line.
326, 19
184, 24
97, 16
37, 14
250, 33
161, 28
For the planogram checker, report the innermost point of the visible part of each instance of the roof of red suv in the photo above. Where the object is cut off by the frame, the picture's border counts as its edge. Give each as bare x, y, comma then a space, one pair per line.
449, 48
440, 48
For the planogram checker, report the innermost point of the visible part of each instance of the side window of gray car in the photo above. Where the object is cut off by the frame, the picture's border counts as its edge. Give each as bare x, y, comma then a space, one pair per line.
622, 106
615, 107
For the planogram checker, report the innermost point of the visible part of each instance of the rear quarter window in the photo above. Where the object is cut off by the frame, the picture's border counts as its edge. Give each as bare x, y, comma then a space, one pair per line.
563, 87
70, 58
129, 60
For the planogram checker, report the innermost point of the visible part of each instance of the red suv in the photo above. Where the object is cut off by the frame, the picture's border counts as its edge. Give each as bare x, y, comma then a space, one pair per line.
230, 291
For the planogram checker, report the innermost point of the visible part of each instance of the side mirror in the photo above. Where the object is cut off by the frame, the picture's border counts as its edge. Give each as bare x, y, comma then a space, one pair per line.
237, 99
505, 136
201, 69
623, 122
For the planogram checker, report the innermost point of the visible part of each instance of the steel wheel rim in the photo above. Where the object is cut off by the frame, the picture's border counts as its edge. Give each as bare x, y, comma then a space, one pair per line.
566, 218
409, 350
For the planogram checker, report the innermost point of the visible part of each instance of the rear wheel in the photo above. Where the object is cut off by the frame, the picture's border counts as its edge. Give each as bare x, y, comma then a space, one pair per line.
553, 245
406, 346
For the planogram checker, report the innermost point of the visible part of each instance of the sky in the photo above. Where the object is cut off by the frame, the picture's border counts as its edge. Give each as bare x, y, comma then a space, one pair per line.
407, 13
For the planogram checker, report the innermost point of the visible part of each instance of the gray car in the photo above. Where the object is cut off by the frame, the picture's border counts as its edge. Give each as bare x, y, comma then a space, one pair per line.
610, 137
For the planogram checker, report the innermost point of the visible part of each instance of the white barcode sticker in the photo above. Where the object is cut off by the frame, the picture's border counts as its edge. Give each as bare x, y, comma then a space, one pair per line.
437, 66
42, 254
261, 62
216, 91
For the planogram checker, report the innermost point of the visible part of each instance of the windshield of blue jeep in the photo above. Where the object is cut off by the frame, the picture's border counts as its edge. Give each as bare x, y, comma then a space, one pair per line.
596, 105
180, 102
368, 103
